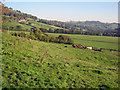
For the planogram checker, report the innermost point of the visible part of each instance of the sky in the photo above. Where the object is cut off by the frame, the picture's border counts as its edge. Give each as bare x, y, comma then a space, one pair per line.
69, 11
61, 0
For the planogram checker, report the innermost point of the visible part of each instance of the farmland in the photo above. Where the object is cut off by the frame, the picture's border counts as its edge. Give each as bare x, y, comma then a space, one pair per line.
61, 66
94, 41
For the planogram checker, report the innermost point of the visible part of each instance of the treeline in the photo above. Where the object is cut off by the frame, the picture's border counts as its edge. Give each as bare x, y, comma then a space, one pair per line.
19, 34
37, 34
14, 15
97, 33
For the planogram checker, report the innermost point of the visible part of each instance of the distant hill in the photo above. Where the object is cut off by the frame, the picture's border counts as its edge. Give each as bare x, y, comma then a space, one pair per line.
16, 20
95, 24
83, 25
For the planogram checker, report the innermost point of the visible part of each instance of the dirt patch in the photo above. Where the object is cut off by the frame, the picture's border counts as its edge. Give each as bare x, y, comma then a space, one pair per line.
110, 44
113, 54
92, 40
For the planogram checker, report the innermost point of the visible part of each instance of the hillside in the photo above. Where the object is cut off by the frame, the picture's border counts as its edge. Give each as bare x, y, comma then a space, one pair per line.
12, 19
38, 53
61, 67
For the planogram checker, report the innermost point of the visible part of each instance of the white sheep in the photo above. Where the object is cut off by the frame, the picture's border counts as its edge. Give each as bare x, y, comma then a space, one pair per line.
89, 48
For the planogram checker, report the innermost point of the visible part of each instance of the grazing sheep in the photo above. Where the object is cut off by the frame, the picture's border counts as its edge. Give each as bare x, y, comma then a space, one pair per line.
89, 48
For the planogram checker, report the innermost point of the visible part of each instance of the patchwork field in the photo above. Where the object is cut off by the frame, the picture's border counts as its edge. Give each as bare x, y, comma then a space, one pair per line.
37, 64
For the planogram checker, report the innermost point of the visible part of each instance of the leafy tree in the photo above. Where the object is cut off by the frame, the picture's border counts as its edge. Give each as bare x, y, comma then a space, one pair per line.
65, 39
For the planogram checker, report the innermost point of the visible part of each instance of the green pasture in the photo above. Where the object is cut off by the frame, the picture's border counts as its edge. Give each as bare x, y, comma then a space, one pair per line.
93, 41
33, 23
62, 67
42, 25
14, 24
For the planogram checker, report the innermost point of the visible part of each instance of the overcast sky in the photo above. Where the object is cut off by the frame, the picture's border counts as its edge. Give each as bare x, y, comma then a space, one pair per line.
69, 11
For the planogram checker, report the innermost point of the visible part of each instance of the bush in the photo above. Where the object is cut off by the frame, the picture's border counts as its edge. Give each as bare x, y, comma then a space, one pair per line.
18, 27
65, 39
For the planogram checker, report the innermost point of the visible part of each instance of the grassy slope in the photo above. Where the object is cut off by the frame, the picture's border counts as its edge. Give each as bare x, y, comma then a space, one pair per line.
42, 25
34, 23
13, 24
94, 41
61, 67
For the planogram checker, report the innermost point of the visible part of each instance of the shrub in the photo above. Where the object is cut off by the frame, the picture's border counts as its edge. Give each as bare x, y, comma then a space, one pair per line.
65, 39
18, 27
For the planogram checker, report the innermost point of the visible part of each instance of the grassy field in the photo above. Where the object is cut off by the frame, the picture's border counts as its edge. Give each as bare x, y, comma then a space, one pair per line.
33, 23
61, 67
13, 24
42, 25
94, 41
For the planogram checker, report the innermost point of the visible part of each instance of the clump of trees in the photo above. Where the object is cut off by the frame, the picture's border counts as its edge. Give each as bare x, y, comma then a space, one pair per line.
37, 34
19, 34
65, 39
